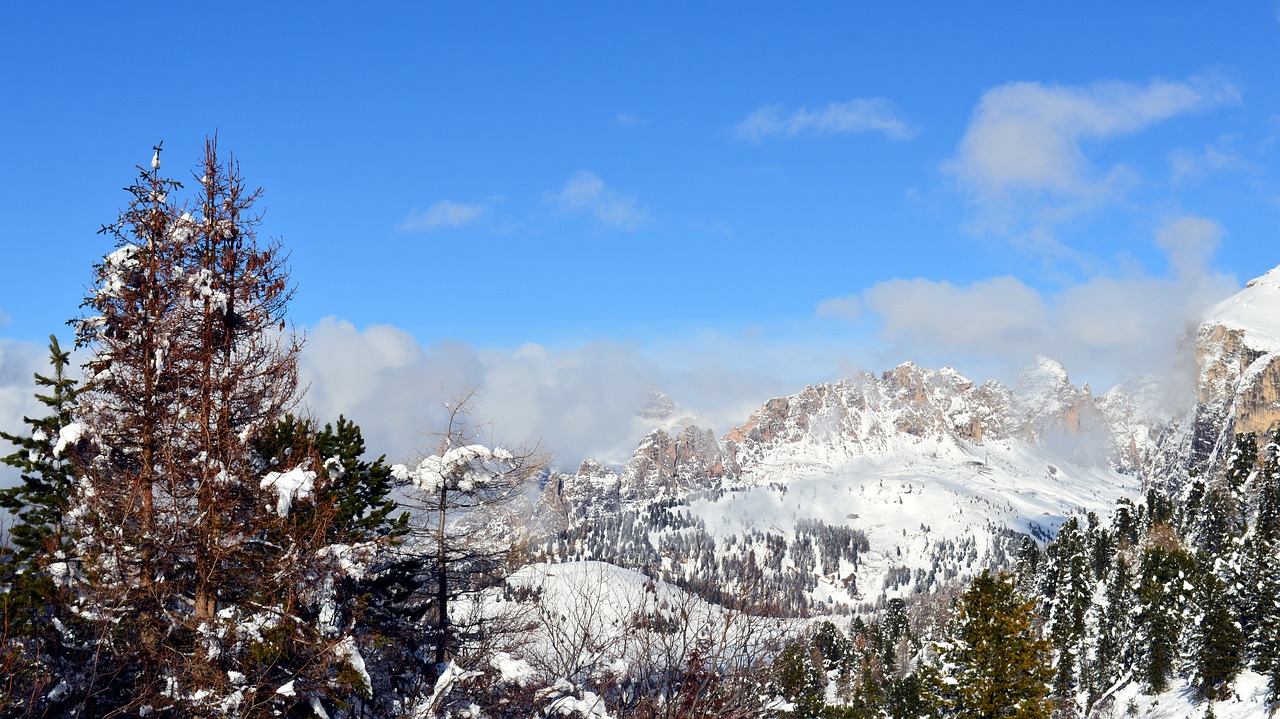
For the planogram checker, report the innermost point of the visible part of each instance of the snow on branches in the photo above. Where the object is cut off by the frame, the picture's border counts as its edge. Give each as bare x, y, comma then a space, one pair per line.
465, 469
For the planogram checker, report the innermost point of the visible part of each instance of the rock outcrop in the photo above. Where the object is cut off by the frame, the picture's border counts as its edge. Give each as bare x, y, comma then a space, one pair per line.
1237, 351
592, 492
662, 464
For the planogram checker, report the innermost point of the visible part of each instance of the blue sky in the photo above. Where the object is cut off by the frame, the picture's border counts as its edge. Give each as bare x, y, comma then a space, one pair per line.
569, 204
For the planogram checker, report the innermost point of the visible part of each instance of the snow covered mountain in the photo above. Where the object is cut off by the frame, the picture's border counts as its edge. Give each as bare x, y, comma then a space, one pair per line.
874, 486
849, 493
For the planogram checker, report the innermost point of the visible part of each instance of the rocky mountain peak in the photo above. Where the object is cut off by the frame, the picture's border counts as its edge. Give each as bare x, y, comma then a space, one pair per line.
1045, 400
691, 460
1237, 350
597, 473
592, 492
658, 407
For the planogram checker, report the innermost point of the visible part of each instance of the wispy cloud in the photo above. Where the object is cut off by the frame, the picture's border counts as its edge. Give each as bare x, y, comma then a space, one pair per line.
712, 226
1187, 166
630, 119
1190, 242
442, 214
585, 192
1024, 157
860, 115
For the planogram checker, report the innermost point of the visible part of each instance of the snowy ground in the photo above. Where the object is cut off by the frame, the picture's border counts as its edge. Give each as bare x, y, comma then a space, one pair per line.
1247, 702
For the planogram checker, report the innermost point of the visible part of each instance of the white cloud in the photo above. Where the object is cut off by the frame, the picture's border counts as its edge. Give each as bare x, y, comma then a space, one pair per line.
1028, 142
445, 213
1189, 241
384, 381
584, 191
712, 226
996, 312
1103, 328
860, 115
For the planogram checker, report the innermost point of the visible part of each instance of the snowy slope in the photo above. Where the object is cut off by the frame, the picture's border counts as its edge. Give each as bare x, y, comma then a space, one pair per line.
1255, 310
593, 622
1248, 701
938, 511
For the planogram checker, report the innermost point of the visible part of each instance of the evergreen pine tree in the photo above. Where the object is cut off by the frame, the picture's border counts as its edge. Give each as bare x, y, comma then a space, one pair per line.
1256, 596
1001, 666
1113, 651
1217, 638
1219, 524
1102, 546
359, 490
1071, 594
796, 678
37, 648
1243, 461
1125, 522
38, 504
1267, 521
1165, 570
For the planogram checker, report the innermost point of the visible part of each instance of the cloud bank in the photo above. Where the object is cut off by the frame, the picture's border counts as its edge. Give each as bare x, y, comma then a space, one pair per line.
580, 402
586, 401
1104, 328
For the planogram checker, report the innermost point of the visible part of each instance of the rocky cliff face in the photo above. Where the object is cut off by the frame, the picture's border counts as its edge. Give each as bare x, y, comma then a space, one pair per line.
1237, 352
590, 493
662, 464
1045, 402
1148, 431
823, 425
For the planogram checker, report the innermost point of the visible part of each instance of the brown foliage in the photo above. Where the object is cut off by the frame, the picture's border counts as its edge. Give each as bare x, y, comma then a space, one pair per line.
192, 580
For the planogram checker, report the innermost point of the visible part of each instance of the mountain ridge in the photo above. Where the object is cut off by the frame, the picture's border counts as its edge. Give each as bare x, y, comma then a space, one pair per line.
938, 473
